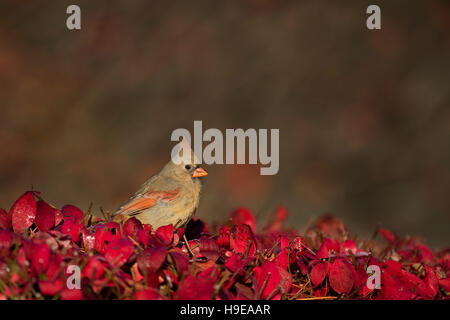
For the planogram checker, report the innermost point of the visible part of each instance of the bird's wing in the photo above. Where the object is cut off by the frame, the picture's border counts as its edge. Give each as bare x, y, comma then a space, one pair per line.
146, 201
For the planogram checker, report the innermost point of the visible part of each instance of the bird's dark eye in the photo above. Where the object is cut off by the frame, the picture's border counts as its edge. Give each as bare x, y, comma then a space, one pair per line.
187, 167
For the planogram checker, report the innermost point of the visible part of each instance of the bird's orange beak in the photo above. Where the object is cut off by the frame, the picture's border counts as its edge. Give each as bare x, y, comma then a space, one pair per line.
199, 172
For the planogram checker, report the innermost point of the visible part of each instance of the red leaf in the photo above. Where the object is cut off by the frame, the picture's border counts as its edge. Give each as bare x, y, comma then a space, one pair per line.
322, 253
284, 242
5, 239
224, 238
281, 213
415, 285
180, 232
55, 265
45, 216
23, 212
243, 216
393, 267
282, 259
5, 219
361, 277
152, 280
425, 254
181, 262
210, 273
151, 259
94, 269
236, 264
302, 266
131, 227
386, 234
445, 261
58, 217
341, 276
280, 216
393, 286
21, 258
286, 279
194, 288
432, 282
268, 279
143, 237
72, 294
349, 245
329, 225
49, 287
71, 212
40, 257
321, 292
331, 244
104, 234
318, 273
114, 228
71, 228
118, 251
445, 284
209, 248
243, 241
165, 234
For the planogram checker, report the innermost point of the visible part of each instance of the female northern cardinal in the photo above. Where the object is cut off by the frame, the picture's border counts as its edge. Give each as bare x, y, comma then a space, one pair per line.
169, 197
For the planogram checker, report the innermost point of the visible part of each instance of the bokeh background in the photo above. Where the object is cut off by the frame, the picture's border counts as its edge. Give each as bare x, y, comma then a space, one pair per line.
364, 116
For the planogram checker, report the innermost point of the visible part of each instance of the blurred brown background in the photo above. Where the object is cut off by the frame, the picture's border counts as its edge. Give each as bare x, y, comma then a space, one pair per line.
364, 116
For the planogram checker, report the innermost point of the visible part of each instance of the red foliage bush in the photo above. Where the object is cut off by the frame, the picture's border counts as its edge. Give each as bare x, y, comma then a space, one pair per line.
40, 244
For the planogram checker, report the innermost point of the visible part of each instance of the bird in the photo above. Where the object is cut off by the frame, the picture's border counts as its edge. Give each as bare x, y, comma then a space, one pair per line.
169, 197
